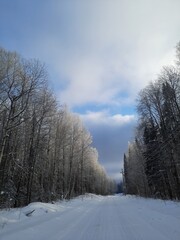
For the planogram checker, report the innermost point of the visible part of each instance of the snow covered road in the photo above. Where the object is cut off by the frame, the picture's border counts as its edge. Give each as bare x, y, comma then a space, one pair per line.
94, 218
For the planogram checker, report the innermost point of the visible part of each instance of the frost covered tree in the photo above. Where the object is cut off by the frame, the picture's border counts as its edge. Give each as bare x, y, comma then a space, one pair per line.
45, 151
159, 133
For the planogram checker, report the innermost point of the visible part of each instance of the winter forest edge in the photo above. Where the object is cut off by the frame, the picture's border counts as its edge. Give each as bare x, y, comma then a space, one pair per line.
152, 162
45, 151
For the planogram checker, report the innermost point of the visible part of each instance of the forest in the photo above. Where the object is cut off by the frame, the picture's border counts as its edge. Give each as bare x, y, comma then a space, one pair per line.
152, 162
46, 152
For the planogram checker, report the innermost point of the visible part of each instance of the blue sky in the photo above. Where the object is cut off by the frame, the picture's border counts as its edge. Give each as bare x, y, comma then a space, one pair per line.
99, 54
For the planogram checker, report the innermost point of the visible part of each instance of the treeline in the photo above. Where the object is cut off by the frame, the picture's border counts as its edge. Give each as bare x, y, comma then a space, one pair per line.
152, 163
45, 151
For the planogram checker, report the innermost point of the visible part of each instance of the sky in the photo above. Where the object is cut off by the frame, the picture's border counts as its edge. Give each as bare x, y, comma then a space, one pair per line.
99, 54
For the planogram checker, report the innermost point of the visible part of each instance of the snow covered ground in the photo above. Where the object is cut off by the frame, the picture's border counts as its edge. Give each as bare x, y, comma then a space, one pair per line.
93, 218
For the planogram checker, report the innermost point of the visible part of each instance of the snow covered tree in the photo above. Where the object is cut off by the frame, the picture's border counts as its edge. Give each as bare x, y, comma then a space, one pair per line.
159, 130
45, 150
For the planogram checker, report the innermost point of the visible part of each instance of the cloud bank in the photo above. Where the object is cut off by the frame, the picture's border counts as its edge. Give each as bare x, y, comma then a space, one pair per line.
95, 50
111, 47
111, 134
104, 118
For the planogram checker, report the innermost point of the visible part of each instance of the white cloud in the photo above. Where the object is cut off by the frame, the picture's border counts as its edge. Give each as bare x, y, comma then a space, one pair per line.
110, 47
100, 49
104, 118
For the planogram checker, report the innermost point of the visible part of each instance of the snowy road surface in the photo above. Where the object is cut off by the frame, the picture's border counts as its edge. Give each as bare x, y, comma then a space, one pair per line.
94, 218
